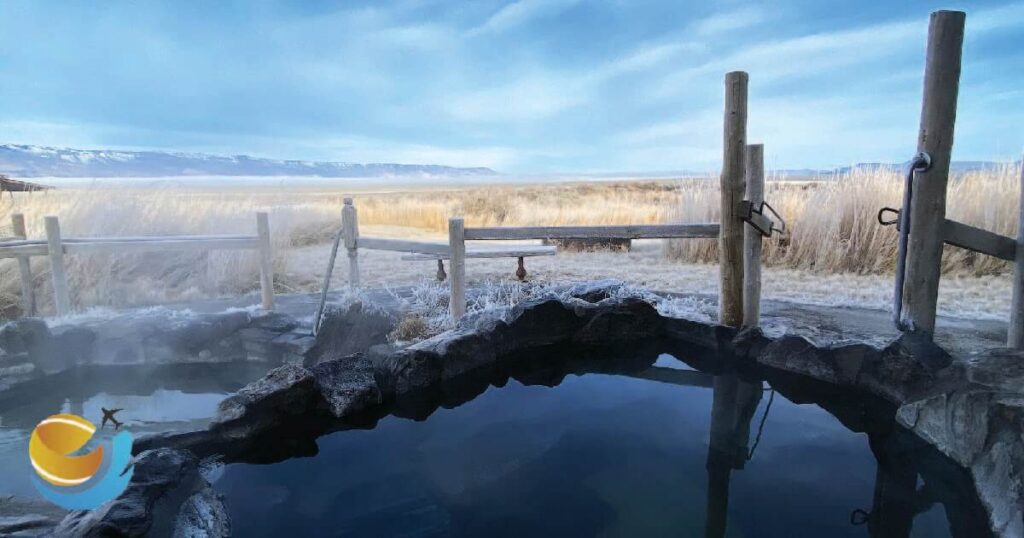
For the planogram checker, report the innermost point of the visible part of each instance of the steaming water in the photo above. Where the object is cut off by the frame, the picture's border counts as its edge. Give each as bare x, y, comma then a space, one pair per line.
153, 399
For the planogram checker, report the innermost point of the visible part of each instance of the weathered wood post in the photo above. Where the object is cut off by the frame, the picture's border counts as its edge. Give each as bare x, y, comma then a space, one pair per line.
61, 298
266, 261
730, 239
28, 298
457, 267
928, 205
752, 239
1015, 337
350, 234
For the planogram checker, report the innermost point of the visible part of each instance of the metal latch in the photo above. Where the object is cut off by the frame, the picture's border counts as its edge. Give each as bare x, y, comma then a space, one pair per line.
754, 215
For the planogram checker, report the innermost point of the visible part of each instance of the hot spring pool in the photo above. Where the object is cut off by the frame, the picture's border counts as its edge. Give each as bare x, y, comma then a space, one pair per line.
153, 398
659, 452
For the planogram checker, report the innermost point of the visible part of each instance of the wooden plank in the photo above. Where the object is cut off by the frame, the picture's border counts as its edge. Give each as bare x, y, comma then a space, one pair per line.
1015, 336
965, 236
521, 252
28, 299
61, 296
144, 238
30, 249
730, 239
752, 239
350, 234
266, 261
650, 231
103, 245
928, 205
457, 247
398, 245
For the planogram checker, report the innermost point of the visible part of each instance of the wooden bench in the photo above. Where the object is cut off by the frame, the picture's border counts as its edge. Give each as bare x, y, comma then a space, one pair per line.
519, 252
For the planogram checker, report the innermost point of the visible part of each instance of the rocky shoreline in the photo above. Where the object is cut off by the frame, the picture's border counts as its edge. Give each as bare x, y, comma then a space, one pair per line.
970, 408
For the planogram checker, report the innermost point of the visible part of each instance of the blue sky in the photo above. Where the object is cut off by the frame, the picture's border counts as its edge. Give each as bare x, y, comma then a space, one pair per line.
527, 86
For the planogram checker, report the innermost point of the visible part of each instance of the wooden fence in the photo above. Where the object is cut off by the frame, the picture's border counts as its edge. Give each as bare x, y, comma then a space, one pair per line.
55, 247
739, 245
929, 229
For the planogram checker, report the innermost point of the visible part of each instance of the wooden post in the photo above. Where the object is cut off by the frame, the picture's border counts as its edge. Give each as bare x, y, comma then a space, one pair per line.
928, 205
28, 298
752, 239
61, 298
266, 261
1015, 338
730, 239
350, 233
457, 267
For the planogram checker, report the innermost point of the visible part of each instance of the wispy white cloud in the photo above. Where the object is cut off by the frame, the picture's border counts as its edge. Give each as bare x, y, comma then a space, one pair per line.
520, 12
729, 21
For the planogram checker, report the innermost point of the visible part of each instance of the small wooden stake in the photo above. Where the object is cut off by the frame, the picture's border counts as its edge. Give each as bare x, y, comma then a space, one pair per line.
752, 239
266, 261
457, 267
28, 298
928, 206
730, 239
350, 234
1015, 338
61, 298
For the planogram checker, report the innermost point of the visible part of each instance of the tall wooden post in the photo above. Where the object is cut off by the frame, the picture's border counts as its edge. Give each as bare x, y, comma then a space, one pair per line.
928, 205
752, 239
1015, 337
457, 267
266, 261
61, 298
28, 298
350, 234
730, 239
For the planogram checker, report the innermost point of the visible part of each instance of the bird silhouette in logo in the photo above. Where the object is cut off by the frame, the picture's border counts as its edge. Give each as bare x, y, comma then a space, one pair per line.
108, 414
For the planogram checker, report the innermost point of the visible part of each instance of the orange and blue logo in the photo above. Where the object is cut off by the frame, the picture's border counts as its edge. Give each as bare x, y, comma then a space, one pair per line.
70, 477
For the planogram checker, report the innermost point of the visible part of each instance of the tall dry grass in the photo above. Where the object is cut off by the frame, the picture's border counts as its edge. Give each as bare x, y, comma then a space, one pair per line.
832, 223
833, 226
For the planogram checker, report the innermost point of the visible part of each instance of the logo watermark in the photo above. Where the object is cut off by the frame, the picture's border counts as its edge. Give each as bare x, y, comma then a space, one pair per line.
78, 481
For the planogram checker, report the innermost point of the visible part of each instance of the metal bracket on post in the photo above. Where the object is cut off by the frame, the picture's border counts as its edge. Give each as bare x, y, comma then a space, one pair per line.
765, 223
920, 163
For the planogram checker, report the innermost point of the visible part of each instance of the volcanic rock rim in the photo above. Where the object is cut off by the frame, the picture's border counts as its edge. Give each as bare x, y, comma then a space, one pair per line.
343, 387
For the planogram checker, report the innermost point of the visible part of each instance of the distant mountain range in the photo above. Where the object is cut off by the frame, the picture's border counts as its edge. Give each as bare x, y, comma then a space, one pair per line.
955, 166
22, 161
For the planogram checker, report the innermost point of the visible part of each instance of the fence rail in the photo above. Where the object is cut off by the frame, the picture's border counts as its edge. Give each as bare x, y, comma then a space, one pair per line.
55, 247
651, 231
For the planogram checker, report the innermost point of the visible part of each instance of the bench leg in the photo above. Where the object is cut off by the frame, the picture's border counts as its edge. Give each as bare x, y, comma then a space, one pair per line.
521, 270
441, 275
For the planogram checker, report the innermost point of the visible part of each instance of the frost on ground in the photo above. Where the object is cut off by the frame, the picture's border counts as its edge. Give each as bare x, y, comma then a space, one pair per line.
969, 297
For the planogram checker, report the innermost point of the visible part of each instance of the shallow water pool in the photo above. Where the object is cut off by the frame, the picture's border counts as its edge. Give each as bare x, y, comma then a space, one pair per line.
659, 450
151, 399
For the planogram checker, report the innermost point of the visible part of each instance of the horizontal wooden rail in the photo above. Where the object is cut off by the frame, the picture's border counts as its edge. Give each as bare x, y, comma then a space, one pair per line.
398, 245
514, 252
983, 241
167, 243
23, 248
55, 247
652, 231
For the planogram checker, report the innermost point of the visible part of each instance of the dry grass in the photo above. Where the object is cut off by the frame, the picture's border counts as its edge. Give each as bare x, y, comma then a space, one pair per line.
832, 221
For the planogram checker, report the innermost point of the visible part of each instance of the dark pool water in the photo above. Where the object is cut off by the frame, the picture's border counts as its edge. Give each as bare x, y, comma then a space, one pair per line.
153, 399
597, 455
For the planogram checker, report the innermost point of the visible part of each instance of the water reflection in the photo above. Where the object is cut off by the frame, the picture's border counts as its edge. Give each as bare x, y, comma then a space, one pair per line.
611, 455
902, 462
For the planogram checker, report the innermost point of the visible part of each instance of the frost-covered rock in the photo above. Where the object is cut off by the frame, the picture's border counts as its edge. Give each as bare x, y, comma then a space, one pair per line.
285, 391
149, 506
